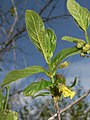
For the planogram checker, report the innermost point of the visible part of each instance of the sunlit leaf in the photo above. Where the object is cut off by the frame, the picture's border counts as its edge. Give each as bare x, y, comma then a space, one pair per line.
42, 94
35, 29
72, 39
8, 115
19, 74
35, 87
62, 55
80, 14
50, 42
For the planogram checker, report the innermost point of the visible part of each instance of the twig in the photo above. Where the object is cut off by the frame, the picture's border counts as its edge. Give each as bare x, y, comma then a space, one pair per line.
46, 19
70, 105
42, 10
14, 23
11, 30
58, 110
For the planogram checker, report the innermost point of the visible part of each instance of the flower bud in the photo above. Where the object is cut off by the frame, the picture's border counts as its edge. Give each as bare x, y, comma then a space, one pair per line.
88, 52
64, 64
86, 48
80, 44
82, 54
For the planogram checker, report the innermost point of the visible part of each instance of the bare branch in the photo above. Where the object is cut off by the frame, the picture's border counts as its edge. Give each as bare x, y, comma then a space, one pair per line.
44, 8
55, 17
16, 17
70, 105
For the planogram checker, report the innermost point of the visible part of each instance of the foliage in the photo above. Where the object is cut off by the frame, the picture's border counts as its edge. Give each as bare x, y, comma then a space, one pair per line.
45, 42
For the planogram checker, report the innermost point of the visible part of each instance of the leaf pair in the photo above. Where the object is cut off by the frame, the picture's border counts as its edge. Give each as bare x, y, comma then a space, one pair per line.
43, 39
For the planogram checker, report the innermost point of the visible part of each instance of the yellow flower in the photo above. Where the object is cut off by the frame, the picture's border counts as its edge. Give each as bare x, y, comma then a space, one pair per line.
66, 92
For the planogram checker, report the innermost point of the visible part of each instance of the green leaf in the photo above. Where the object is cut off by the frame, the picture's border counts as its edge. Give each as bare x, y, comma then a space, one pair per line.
74, 82
80, 14
72, 39
44, 40
35, 29
42, 94
62, 55
19, 74
50, 43
35, 87
2, 100
8, 115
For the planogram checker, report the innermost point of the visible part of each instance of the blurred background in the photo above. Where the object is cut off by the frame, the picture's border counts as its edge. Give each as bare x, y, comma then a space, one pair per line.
17, 52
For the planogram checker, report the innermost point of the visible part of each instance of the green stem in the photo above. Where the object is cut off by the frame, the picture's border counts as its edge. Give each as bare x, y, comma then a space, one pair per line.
7, 95
51, 73
87, 37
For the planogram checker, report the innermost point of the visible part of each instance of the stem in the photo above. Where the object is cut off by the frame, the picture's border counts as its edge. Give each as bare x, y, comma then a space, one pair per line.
58, 110
51, 73
7, 95
87, 37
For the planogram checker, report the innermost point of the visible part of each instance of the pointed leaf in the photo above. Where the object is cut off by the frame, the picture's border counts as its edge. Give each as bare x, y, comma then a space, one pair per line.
19, 74
35, 87
35, 29
50, 42
74, 82
64, 54
72, 39
80, 14
8, 115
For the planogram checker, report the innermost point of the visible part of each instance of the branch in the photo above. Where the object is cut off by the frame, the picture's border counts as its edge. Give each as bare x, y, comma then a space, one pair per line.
16, 17
43, 9
70, 105
55, 17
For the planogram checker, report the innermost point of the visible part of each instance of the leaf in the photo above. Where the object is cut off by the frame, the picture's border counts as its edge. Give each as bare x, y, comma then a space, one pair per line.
35, 87
71, 39
42, 94
2, 100
74, 82
80, 14
35, 29
19, 74
8, 115
44, 40
50, 42
1, 70
62, 55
